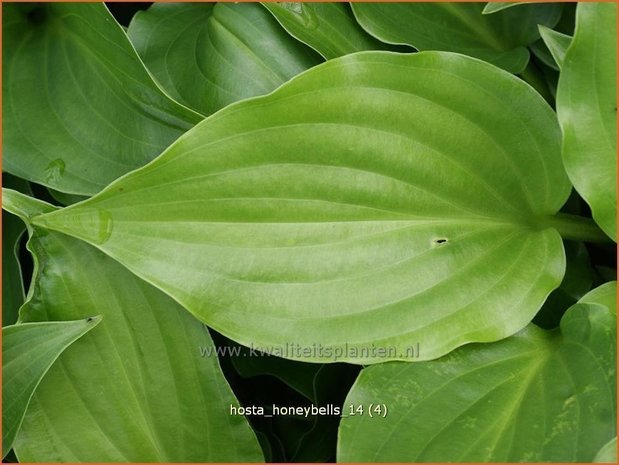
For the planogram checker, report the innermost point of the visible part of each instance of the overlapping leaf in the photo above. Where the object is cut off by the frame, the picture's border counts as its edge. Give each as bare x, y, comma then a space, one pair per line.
79, 107
329, 28
500, 38
608, 453
12, 286
539, 396
12, 230
379, 199
605, 295
28, 351
493, 7
586, 107
557, 44
137, 389
210, 55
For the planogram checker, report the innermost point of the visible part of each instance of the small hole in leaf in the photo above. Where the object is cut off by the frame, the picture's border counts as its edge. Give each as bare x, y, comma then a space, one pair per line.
440, 241
89, 319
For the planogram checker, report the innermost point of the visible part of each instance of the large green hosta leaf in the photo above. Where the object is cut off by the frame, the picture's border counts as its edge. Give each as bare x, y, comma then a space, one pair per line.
329, 28
378, 199
500, 38
79, 107
539, 396
210, 55
137, 388
587, 110
28, 351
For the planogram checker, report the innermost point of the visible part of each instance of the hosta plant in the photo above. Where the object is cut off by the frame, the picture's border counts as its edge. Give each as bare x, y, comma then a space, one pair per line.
239, 232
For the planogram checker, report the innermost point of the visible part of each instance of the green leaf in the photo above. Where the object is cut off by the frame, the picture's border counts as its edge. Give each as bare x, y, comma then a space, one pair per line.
12, 230
135, 390
210, 55
65, 199
79, 107
329, 28
305, 217
556, 42
500, 38
605, 295
12, 287
539, 396
608, 453
28, 352
493, 7
24, 206
586, 107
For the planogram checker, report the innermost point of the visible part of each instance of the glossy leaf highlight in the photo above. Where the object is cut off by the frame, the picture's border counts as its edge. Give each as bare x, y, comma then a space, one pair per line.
311, 226
587, 110
135, 390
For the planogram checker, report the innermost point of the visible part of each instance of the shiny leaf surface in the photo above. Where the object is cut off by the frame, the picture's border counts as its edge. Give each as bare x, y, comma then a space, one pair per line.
586, 107
69, 68
28, 351
210, 55
309, 226
538, 396
135, 390
500, 38
329, 28
556, 42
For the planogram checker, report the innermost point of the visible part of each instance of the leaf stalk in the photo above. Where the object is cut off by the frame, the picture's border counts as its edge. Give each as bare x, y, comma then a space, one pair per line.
577, 228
